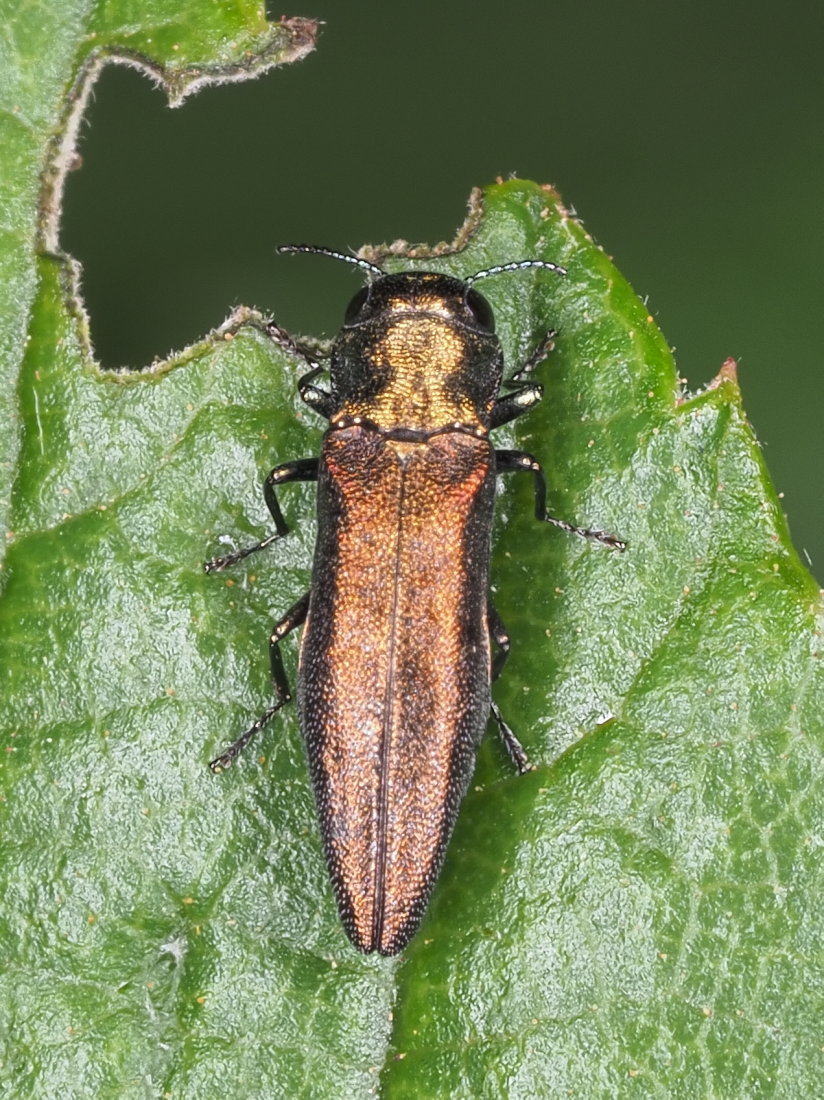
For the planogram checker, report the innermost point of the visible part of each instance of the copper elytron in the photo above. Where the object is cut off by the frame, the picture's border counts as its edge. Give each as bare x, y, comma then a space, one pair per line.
396, 658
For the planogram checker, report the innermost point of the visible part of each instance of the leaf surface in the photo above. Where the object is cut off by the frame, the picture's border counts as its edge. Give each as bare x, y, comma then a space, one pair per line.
639, 916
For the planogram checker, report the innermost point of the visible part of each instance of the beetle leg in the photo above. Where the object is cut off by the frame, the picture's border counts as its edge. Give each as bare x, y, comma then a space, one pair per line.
511, 405
525, 394
285, 340
500, 636
514, 747
303, 469
539, 354
320, 400
510, 462
294, 617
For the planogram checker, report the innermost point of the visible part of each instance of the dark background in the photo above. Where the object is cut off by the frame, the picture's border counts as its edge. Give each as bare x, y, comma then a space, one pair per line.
688, 136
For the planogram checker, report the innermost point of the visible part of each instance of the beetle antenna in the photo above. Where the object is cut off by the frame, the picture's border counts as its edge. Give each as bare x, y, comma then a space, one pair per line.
516, 265
365, 265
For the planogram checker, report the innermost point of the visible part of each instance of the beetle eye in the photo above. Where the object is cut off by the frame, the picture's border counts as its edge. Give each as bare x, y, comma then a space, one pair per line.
356, 305
480, 309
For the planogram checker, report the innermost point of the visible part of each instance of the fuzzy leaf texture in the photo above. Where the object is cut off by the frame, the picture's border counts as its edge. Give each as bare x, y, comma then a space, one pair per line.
639, 917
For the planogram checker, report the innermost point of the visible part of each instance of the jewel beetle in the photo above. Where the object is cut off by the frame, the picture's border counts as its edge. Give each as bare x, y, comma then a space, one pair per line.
400, 641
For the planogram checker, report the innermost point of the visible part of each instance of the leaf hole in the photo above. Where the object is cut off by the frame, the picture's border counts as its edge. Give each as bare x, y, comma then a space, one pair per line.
175, 214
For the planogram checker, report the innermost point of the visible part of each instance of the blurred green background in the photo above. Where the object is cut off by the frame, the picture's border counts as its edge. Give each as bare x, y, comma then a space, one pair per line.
687, 136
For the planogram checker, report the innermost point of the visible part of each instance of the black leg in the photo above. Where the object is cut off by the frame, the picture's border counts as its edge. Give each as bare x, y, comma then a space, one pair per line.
320, 400
293, 618
525, 394
499, 635
285, 340
511, 405
303, 469
510, 462
539, 354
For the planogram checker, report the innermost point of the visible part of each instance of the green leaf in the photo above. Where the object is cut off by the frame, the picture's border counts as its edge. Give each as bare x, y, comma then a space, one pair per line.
639, 916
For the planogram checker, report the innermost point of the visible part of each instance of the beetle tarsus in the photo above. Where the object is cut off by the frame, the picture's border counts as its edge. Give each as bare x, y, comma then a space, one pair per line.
587, 532
535, 359
516, 750
290, 345
230, 755
214, 565
513, 462
302, 469
294, 617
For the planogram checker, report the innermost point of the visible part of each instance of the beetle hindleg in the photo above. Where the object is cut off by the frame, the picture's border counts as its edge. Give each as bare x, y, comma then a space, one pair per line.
293, 618
303, 469
514, 747
500, 636
510, 462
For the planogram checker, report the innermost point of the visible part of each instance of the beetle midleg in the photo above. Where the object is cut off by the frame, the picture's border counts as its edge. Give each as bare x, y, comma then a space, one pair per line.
302, 469
500, 636
510, 462
294, 617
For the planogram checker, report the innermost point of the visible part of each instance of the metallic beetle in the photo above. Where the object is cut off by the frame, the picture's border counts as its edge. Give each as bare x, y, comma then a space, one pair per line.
396, 657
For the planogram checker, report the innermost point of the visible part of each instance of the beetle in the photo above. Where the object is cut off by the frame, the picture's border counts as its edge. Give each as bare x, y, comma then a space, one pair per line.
400, 641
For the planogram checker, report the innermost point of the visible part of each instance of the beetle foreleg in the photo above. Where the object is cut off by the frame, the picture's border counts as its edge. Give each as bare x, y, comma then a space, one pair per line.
526, 394
539, 354
510, 462
303, 469
293, 618
511, 405
320, 400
